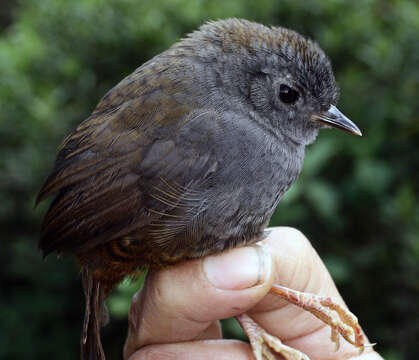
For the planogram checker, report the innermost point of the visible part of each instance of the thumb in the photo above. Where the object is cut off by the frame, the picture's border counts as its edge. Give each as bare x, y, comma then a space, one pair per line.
181, 302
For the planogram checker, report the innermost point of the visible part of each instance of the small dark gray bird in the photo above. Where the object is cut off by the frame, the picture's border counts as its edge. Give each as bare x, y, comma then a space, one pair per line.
189, 156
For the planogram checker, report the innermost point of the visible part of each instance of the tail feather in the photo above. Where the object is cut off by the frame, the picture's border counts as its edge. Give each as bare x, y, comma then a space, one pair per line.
94, 318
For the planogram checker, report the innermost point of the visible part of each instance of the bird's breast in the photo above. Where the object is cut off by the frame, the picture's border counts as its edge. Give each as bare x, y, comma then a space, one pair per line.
248, 192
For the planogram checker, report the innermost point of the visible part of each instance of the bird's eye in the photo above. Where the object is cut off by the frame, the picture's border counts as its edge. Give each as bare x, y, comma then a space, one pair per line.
288, 95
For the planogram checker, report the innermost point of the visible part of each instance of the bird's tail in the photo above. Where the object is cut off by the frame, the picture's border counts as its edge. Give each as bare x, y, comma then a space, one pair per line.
95, 317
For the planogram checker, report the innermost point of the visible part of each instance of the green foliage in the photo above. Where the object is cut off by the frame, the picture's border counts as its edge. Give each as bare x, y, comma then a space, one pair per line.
357, 198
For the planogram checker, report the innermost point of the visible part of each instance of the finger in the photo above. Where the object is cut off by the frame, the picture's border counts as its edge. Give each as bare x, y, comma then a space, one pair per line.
182, 302
212, 332
370, 356
297, 265
199, 350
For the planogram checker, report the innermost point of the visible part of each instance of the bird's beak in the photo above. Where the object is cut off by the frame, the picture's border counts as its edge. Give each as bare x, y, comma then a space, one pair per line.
333, 117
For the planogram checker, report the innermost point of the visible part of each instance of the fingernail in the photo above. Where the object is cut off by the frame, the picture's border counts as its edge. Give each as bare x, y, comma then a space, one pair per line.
239, 268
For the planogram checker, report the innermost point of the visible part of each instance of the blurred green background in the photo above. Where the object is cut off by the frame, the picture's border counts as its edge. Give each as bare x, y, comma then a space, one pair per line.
356, 198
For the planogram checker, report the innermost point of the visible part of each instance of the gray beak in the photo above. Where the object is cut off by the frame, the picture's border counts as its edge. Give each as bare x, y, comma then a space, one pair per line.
333, 117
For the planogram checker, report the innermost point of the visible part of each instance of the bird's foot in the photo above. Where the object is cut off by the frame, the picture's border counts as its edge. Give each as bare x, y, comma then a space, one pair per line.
264, 345
328, 310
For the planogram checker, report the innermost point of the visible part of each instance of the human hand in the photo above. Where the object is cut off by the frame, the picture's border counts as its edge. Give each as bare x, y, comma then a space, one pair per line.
176, 313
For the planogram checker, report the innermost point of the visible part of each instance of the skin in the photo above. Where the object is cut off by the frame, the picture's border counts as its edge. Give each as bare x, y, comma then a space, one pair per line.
166, 324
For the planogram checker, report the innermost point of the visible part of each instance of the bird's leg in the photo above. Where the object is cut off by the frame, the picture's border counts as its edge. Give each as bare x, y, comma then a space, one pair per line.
264, 345
328, 310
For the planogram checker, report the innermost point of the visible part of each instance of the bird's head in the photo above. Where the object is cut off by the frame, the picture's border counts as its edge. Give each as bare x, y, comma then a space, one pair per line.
274, 74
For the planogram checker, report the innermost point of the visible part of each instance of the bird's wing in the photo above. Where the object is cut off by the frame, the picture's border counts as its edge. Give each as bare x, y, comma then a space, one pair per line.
125, 166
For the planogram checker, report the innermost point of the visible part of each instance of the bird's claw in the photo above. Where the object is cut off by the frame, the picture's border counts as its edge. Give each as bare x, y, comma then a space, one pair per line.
341, 321
264, 345
330, 311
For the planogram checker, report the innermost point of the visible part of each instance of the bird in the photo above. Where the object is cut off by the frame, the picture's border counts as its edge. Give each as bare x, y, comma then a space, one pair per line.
189, 156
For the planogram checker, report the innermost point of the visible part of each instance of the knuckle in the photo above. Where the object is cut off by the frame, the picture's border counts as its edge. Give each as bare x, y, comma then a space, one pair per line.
296, 236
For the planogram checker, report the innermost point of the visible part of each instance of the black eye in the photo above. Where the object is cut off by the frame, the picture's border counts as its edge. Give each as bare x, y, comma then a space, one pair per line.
288, 95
